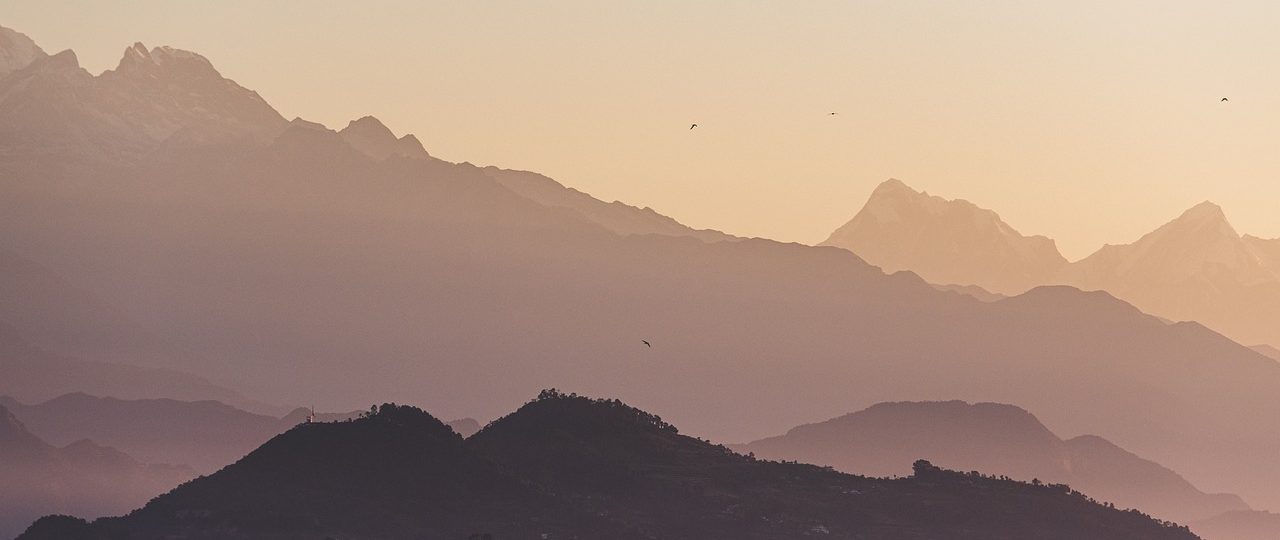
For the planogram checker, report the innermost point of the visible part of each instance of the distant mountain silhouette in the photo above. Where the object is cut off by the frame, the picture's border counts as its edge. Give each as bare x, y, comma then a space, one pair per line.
1196, 267
464, 427
31, 374
972, 290
301, 267
206, 435
946, 241
370, 136
1240, 525
81, 478
992, 438
565, 467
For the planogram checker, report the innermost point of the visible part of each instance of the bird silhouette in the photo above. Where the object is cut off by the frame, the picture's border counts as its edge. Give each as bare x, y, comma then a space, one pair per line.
693, 126
646, 343
1225, 99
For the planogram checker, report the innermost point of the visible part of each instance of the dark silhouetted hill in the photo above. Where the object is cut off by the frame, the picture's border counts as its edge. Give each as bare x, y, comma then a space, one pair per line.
565, 467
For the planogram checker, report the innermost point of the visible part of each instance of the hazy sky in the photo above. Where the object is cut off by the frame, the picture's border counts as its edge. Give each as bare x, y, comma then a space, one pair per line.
1090, 122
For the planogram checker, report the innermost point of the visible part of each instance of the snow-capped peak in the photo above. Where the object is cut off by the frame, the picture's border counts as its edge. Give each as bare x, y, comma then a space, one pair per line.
945, 241
138, 59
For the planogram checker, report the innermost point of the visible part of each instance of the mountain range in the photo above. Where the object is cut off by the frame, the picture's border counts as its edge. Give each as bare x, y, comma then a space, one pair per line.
80, 478
279, 258
884, 439
564, 466
1194, 268
946, 242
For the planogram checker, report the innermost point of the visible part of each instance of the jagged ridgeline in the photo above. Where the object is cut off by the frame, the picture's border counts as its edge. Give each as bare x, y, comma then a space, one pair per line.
566, 466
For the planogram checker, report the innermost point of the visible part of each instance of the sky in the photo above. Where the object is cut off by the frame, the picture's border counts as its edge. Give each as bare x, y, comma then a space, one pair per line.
1090, 122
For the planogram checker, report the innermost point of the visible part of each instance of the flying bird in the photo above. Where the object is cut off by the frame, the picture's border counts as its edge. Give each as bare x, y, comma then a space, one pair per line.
646, 342
693, 126
1224, 99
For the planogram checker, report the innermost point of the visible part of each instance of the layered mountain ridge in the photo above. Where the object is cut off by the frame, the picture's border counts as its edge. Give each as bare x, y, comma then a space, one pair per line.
1194, 268
304, 267
52, 105
882, 440
81, 478
565, 466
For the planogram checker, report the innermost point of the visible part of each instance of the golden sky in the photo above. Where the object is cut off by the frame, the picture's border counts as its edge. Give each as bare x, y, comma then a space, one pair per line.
1091, 122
